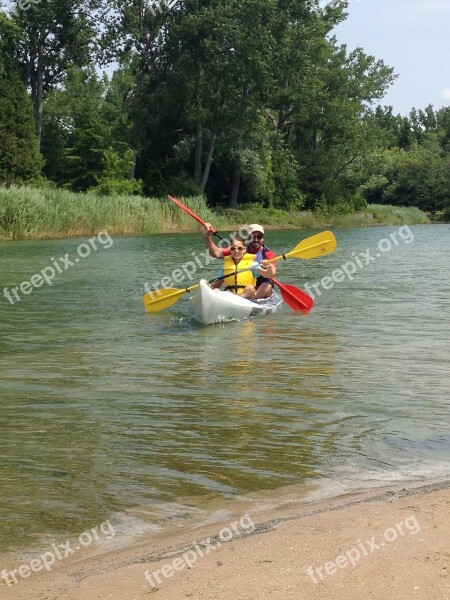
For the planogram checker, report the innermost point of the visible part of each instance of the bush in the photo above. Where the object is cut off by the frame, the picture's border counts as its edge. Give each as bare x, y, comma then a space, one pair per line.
180, 186
446, 216
118, 187
113, 181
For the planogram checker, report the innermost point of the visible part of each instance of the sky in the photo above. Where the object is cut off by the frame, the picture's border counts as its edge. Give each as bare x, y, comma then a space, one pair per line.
413, 37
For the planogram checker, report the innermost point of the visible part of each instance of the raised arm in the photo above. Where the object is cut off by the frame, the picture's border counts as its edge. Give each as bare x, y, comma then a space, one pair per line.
213, 248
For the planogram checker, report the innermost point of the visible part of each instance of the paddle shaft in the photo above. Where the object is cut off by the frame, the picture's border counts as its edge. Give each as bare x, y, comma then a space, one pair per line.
196, 217
195, 286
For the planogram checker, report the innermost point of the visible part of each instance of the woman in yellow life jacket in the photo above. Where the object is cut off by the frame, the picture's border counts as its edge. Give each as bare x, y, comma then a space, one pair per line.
244, 283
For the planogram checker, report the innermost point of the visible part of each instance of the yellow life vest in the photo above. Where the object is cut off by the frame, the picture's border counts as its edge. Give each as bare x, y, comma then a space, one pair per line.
238, 283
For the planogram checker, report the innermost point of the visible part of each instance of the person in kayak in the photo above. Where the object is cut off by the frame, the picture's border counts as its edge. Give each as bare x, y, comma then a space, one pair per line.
241, 283
255, 246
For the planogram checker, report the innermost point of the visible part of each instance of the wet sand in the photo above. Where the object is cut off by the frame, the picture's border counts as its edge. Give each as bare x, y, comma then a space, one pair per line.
389, 544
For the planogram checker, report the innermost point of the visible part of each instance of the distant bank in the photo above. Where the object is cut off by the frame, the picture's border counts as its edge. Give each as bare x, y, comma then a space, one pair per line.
32, 213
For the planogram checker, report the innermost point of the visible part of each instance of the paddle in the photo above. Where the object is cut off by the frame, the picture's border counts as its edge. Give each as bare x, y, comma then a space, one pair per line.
312, 247
196, 217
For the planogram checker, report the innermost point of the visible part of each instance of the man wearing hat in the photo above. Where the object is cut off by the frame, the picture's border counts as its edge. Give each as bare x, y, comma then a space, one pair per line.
255, 245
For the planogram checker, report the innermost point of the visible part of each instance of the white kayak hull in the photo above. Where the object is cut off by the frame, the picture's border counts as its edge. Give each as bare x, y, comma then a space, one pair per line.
214, 306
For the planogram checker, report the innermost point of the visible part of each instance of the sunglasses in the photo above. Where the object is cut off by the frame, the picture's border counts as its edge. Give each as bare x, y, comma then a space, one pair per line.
237, 248
258, 236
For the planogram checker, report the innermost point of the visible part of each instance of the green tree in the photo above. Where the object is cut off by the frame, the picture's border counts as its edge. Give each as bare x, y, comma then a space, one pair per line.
73, 134
54, 35
414, 177
134, 35
332, 137
87, 129
20, 159
443, 128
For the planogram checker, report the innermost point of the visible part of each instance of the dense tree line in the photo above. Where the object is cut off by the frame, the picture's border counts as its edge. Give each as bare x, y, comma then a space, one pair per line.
244, 100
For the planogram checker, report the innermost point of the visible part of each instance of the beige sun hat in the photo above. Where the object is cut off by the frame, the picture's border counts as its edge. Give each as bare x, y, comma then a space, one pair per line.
255, 227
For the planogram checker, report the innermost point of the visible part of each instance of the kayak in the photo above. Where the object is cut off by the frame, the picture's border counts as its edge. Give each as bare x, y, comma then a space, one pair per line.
214, 306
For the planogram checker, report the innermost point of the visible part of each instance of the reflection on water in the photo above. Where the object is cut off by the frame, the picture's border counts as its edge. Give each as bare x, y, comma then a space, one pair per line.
107, 410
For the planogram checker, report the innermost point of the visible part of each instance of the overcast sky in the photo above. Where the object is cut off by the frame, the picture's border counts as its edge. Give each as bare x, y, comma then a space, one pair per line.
413, 36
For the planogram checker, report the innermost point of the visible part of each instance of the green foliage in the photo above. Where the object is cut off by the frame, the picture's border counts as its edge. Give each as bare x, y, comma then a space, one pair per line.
20, 159
348, 205
250, 102
54, 36
181, 185
113, 181
374, 188
415, 177
81, 139
118, 187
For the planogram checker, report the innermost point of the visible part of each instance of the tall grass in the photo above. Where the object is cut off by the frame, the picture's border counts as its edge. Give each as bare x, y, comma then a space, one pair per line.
33, 213
27, 212
397, 215
374, 214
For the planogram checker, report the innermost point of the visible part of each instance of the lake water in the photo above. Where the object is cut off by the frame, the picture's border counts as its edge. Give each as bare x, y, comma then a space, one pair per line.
108, 412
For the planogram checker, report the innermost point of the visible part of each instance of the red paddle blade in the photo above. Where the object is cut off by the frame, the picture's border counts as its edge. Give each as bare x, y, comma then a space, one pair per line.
295, 297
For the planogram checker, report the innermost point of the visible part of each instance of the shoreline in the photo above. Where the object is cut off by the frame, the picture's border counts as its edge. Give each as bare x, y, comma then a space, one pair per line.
45, 236
346, 501
317, 533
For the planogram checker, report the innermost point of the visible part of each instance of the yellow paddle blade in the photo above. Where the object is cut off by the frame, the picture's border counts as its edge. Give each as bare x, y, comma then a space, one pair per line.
161, 299
312, 247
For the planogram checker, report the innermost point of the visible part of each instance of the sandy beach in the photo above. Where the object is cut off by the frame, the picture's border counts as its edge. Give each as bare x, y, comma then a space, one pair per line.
381, 544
